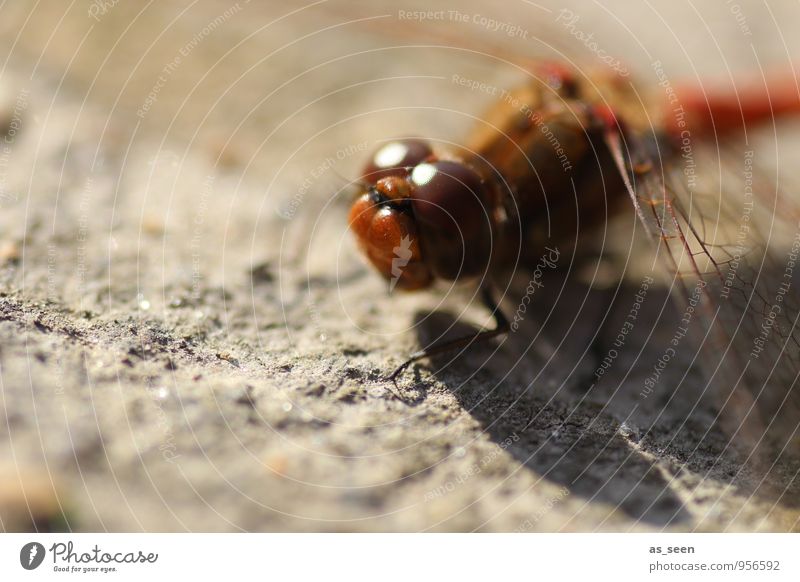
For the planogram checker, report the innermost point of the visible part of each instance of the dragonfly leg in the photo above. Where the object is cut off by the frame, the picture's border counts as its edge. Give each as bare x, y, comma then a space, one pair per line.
501, 327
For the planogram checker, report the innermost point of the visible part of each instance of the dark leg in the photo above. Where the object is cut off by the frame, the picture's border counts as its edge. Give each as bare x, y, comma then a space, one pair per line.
501, 327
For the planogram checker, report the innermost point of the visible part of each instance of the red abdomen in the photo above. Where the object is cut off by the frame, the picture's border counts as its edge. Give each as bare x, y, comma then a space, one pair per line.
716, 111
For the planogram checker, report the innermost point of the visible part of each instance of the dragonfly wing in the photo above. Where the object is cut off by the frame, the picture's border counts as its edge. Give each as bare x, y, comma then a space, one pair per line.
729, 239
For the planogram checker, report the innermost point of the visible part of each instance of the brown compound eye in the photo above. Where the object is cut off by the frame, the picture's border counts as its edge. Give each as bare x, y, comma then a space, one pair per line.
396, 158
388, 236
450, 205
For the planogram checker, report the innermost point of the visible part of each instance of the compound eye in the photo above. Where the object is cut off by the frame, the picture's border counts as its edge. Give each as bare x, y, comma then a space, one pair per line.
389, 239
449, 196
450, 207
396, 158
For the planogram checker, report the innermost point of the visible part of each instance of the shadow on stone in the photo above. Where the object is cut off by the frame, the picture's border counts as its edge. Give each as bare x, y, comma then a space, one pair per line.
602, 440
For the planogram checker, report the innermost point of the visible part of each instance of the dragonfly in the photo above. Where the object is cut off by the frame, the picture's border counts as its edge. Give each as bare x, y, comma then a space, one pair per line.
554, 159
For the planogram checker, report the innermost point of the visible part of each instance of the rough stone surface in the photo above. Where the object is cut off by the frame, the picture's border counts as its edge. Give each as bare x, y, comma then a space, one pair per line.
189, 341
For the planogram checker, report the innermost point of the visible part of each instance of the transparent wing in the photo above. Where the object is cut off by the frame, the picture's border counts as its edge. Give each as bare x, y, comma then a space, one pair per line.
730, 240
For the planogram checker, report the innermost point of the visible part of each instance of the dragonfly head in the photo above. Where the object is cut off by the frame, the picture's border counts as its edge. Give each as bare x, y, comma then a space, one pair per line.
420, 217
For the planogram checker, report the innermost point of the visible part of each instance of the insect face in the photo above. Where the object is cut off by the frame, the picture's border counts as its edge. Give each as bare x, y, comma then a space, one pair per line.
421, 217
